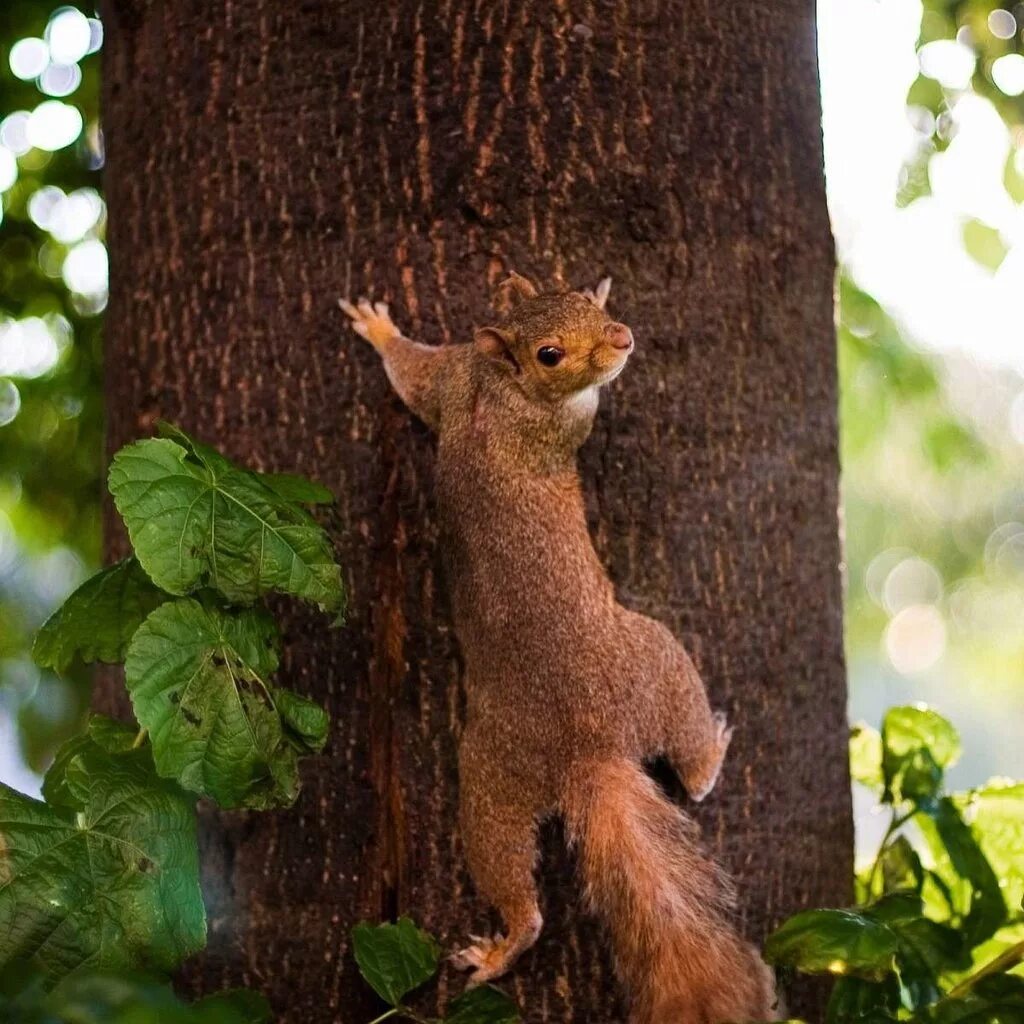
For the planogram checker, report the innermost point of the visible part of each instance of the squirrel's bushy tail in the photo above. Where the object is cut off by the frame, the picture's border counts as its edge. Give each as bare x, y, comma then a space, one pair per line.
664, 901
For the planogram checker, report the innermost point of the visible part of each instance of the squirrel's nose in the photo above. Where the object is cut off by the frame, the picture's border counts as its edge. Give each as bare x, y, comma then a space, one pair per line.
619, 336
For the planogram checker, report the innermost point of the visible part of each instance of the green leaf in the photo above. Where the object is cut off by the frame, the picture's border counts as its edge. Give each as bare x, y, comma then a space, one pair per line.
962, 866
1013, 177
197, 520
233, 1006
901, 866
925, 949
96, 622
394, 958
297, 489
856, 1001
306, 723
917, 745
107, 879
866, 756
483, 1005
984, 244
833, 941
996, 813
198, 680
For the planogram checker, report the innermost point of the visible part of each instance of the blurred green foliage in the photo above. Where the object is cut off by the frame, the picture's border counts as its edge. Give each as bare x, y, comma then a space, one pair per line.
933, 444
50, 369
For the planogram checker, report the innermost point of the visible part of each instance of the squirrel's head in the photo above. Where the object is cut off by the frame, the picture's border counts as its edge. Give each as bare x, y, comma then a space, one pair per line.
555, 346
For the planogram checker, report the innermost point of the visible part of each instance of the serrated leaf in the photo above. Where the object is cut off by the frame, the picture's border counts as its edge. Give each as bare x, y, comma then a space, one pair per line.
197, 520
833, 942
110, 878
96, 622
394, 958
918, 744
306, 723
297, 489
483, 1005
198, 680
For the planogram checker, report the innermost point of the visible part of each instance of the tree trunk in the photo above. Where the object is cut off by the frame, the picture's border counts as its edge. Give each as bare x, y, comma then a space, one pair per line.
265, 158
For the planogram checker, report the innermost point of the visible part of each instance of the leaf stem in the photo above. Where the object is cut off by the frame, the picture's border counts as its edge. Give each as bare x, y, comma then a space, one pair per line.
1007, 959
384, 1016
140, 738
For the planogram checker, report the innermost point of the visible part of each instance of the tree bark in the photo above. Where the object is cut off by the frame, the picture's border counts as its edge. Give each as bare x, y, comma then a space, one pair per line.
265, 158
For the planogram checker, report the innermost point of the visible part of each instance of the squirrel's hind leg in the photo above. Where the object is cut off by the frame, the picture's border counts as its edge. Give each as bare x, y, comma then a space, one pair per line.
694, 738
499, 835
699, 764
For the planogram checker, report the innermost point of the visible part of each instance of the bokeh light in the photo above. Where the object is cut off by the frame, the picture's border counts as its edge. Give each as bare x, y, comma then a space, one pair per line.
8, 169
60, 79
54, 125
14, 132
949, 62
1008, 73
10, 403
85, 268
69, 35
1002, 24
28, 58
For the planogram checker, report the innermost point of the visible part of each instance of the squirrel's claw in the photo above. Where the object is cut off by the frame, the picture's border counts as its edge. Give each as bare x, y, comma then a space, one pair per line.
486, 958
370, 321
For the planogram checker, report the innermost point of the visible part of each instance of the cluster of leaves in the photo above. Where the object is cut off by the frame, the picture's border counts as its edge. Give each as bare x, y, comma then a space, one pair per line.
103, 873
396, 959
933, 939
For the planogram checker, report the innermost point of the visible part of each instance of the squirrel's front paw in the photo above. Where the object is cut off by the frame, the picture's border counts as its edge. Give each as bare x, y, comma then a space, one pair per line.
373, 322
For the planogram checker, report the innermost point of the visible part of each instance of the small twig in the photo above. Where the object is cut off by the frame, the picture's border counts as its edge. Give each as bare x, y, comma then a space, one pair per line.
140, 738
1007, 959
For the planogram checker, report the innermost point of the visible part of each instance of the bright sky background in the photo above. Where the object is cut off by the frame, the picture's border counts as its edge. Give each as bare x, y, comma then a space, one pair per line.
913, 260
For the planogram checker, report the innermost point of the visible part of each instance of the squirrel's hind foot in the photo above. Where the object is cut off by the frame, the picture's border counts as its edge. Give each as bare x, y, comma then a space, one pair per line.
490, 957
487, 958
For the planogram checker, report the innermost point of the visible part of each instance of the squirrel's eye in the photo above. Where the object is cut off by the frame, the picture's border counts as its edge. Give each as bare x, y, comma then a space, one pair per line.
549, 355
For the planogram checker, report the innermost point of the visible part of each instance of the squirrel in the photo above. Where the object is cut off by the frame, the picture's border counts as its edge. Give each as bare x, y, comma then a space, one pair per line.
568, 692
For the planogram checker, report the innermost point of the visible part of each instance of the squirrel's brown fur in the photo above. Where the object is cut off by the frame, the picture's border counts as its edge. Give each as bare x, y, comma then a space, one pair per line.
568, 692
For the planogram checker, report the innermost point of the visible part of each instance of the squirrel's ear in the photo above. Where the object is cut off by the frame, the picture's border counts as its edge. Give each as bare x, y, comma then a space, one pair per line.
518, 286
599, 296
495, 344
